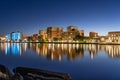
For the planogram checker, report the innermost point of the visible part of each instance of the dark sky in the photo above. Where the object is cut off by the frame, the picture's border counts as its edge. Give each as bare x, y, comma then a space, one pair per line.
29, 16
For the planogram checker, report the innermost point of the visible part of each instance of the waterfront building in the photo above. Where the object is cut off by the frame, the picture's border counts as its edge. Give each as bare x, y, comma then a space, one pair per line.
114, 36
81, 33
35, 37
8, 37
71, 33
43, 34
103, 38
14, 36
2, 38
93, 34
54, 32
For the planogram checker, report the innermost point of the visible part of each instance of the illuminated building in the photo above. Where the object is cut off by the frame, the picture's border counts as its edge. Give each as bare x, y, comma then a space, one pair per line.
72, 32
8, 36
35, 37
54, 32
103, 38
2, 39
14, 36
43, 33
81, 32
93, 34
114, 36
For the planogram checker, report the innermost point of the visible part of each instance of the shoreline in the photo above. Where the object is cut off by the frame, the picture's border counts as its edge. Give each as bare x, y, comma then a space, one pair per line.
98, 43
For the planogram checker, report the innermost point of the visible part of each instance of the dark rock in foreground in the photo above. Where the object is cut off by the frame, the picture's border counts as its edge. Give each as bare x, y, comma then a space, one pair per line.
22, 73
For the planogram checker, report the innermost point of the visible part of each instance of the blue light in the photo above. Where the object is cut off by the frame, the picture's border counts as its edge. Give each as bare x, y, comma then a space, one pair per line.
8, 37
16, 36
13, 36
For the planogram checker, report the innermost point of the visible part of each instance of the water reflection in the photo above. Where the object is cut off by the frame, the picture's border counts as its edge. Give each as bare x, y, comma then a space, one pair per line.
59, 51
113, 51
13, 48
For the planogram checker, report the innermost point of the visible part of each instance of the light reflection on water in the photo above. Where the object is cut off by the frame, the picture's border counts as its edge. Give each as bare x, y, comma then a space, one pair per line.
77, 59
56, 51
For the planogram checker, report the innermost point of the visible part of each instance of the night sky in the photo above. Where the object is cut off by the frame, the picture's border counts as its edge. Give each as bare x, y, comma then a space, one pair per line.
29, 16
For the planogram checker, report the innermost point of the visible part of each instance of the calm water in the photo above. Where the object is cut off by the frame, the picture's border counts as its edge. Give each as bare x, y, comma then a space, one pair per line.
81, 61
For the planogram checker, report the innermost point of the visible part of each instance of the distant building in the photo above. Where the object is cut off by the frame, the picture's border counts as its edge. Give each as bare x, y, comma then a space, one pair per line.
2, 38
35, 37
71, 33
81, 32
114, 36
93, 34
43, 34
103, 38
8, 36
14, 36
72, 29
54, 32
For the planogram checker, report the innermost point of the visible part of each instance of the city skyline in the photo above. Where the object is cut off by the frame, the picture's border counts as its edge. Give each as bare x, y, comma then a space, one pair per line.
30, 16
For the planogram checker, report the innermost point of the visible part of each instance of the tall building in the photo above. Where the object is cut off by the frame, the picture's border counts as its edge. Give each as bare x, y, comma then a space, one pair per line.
114, 36
14, 36
8, 37
54, 32
71, 33
93, 34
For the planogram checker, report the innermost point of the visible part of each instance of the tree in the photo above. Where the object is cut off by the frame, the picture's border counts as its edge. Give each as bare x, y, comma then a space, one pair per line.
41, 39
57, 39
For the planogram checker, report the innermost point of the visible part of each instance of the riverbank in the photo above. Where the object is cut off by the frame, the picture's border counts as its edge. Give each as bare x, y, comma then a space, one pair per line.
100, 43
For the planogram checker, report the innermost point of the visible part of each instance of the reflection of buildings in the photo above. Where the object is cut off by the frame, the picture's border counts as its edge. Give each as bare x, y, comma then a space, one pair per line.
13, 48
93, 50
113, 50
58, 51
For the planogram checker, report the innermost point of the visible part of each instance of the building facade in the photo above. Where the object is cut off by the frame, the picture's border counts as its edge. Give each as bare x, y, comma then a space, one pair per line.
14, 36
114, 36
71, 33
54, 32
81, 33
43, 34
93, 34
8, 37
